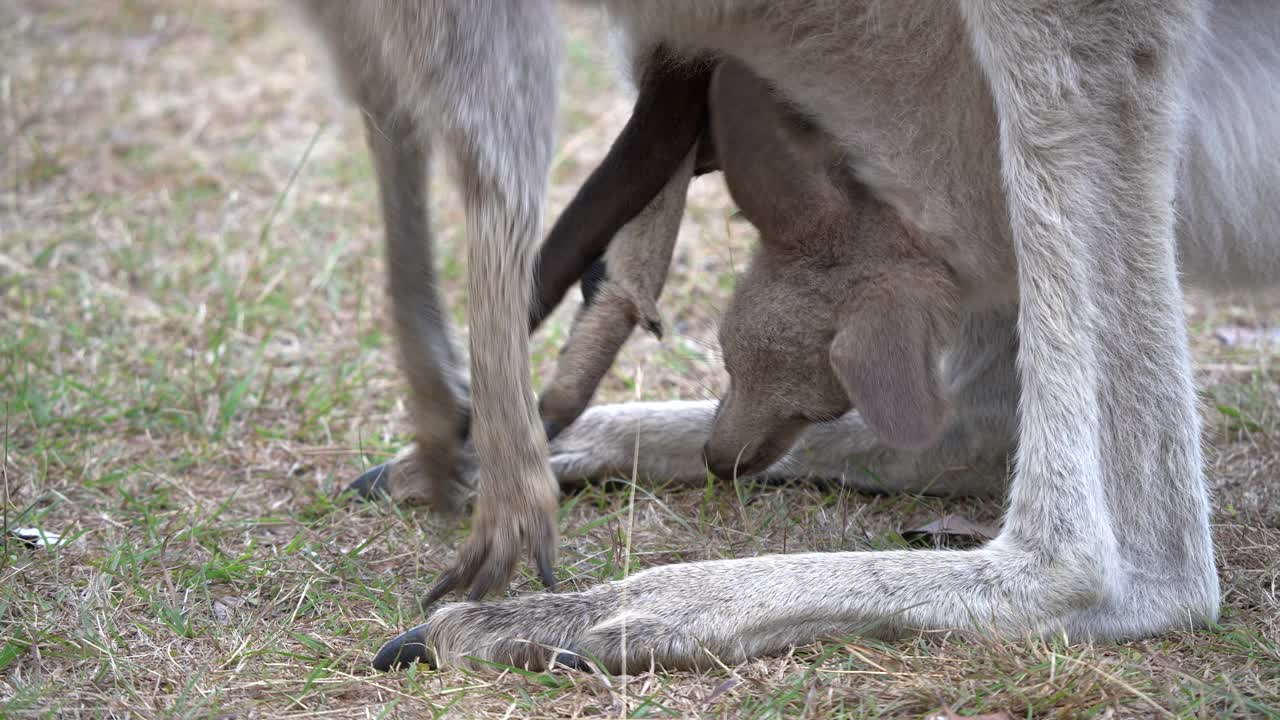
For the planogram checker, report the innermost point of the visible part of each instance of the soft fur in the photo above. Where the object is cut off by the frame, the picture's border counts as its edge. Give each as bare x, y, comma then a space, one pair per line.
477, 77
1053, 133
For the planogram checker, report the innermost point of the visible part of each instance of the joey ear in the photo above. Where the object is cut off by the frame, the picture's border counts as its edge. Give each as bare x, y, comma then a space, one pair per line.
885, 354
774, 163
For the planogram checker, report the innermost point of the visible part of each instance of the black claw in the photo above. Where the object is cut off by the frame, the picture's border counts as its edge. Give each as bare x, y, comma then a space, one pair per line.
494, 573
570, 660
448, 580
373, 484
546, 573
543, 557
464, 426
404, 649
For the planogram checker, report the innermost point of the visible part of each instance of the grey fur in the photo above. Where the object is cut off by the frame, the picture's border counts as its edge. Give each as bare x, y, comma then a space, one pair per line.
477, 77
1052, 133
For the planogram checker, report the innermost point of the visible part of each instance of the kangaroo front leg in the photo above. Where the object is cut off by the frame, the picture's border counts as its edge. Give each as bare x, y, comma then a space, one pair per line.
481, 77
427, 471
374, 47
499, 106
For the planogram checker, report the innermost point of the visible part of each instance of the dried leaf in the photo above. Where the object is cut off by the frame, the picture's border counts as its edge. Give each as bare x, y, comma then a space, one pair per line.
946, 713
35, 537
720, 689
1234, 335
952, 526
224, 608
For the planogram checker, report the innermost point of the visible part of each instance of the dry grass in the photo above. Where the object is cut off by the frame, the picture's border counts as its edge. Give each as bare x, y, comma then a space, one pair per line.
194, 357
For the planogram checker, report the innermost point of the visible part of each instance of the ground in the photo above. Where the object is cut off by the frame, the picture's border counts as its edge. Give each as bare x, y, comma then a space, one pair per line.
195, 358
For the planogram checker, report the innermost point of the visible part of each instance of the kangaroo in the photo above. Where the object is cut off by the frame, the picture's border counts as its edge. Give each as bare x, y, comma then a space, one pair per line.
1057, 135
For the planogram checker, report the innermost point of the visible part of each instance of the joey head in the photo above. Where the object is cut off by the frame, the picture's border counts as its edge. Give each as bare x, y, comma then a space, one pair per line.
841, 308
